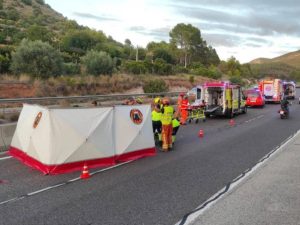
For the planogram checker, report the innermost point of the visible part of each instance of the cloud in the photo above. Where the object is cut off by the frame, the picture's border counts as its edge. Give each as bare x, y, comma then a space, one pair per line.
217, 39
91, 16
256, 17
161, 33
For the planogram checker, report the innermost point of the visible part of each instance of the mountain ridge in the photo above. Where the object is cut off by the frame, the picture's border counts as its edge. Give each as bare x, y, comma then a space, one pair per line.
291, 59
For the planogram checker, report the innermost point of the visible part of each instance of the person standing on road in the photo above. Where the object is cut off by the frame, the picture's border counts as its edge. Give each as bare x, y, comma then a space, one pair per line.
167, 112
156, 120
184, 110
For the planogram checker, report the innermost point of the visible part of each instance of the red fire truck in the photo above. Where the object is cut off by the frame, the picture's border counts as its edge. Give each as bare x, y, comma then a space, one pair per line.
272, 90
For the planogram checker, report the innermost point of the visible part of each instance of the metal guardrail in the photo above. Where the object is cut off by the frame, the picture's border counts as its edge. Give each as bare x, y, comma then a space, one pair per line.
20, 100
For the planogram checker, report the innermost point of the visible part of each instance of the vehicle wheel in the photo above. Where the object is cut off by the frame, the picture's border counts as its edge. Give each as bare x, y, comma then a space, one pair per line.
244, 110
190, 120
197, 120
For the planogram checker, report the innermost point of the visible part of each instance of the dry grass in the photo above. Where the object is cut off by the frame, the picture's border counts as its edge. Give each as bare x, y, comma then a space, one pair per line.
91, 85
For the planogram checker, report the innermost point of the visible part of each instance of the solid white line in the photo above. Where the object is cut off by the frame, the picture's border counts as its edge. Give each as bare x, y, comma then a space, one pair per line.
191, 218
3, 158
61, 184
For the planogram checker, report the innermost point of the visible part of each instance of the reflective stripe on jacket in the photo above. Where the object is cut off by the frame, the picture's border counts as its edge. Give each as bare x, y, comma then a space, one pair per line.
184, 104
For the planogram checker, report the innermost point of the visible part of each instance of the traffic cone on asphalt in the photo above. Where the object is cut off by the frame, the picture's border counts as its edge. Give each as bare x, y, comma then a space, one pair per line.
201, 133
231, 122
85, 172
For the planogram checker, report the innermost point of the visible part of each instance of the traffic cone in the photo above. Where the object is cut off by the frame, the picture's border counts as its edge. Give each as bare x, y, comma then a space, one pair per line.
85, 172
201, 133
231, 122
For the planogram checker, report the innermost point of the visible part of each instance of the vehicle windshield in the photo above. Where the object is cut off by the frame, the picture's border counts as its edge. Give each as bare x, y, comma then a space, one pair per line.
253, 94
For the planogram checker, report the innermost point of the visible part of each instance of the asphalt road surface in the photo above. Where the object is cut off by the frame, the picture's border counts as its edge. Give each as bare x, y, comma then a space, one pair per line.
154, 190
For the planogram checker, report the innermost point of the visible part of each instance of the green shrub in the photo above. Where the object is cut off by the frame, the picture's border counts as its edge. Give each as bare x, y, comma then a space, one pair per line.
134, 67
71, 68
36, 58
12, 14
180, 69
161, 67
192, 79
27, 2
41, 2
236, 80
203, 71
4, 64
155, 86
97, 63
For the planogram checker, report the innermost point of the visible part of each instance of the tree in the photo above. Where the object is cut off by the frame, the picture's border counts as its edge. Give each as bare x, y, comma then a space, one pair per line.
36, 58
78, 42
97, 63
36, 32
186, 38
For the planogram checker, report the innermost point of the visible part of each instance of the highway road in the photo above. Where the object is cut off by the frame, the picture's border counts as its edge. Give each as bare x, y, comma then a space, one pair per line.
155, 190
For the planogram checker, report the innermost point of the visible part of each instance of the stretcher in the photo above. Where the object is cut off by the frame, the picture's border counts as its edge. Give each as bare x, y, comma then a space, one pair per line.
196, 112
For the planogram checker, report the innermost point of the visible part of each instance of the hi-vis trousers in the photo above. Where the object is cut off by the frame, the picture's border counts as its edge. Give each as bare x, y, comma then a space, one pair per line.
167, 136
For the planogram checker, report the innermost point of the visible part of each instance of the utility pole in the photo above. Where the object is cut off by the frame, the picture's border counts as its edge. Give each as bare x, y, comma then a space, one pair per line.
137, 54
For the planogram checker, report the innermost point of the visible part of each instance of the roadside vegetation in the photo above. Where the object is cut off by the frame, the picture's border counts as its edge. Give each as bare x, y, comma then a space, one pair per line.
51, 51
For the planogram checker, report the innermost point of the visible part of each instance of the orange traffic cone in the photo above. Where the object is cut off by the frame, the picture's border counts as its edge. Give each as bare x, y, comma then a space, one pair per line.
85, 172
231, 122
201, 133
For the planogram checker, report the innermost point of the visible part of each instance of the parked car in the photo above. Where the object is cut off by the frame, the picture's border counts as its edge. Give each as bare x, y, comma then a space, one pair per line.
254, 98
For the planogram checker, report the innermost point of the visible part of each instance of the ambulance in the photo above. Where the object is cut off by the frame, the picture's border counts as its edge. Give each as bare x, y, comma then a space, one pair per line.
289, 88
272, 90
223, 99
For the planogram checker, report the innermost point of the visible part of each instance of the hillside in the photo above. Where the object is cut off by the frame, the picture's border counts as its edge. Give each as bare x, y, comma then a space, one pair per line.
17, 17
291, 59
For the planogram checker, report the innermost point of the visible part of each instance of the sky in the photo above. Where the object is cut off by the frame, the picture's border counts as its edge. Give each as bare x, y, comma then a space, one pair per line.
245, 29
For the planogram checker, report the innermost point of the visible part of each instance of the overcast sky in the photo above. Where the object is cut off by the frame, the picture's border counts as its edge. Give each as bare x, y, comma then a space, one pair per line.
245, 29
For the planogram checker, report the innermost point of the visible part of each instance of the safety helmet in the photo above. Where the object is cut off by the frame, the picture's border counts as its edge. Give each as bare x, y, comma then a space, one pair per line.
139, 100
156, 100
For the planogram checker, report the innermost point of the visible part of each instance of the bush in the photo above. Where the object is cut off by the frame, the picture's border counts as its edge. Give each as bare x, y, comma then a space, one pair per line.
36, 58
134, 67
236, 80
41, 2
4, 64
192, 79
27, 2
180, 69
71, 68
155, 86
161, 67
212, 72
97, 63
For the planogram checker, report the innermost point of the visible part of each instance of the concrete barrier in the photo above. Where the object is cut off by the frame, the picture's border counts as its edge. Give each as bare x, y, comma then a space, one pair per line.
6, 133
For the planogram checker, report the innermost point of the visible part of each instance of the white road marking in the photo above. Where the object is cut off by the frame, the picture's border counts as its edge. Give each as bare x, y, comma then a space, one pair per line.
3, 158
60, 184
255, 118
235, 182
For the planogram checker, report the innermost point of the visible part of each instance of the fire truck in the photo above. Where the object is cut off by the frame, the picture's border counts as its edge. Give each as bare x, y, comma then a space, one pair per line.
272, 90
